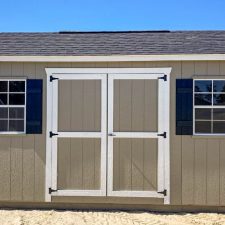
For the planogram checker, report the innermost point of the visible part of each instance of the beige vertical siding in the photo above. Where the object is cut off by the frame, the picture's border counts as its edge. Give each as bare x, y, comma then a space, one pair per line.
22, 167
5, 175
201, 162
197, 163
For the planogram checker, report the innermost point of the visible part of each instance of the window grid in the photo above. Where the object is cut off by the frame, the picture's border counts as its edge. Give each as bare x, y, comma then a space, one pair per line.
14, 106
212, 106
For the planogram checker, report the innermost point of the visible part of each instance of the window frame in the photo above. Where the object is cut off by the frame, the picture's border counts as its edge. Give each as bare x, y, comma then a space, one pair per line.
16, 106
206, 106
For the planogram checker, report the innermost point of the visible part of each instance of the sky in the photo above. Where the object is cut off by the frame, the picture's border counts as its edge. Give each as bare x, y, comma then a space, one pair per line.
110, 15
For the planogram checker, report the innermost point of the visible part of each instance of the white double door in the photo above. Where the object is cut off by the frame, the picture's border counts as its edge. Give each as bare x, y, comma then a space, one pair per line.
108, 134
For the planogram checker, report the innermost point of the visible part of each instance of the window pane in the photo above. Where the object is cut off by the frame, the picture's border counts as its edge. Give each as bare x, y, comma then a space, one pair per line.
203, 86
3, 125
16, 113
203, 114
203, 127
219, 99
203, 99
3, 113
219, 127
219, 86
16, 99
3, 99
218, 114
16, 125
17, 86
3, 86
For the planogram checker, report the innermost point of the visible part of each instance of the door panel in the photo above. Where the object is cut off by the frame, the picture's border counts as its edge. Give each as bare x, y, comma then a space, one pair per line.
135, 105
79, 163
79, 105
135, 164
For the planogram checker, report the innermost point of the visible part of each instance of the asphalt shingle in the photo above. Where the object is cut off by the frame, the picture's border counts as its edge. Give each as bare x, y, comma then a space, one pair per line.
112, 43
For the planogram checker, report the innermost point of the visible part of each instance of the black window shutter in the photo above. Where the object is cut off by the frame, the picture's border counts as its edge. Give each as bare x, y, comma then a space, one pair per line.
34, 106
184, 106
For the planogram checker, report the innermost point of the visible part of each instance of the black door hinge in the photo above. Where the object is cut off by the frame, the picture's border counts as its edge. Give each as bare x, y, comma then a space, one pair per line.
50, 190
53, 78
163, 134
164, 192
51, 134
163, 78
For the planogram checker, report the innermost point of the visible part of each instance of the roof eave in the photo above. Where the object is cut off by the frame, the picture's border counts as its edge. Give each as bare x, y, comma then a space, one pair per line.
115, 58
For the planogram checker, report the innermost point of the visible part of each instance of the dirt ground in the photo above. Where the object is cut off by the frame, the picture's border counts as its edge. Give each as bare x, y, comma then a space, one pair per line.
51, 217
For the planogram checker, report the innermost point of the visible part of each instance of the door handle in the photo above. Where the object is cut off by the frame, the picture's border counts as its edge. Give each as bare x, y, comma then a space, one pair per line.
112, 135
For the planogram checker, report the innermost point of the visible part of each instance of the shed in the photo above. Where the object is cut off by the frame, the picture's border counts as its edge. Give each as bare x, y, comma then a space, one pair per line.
132, 119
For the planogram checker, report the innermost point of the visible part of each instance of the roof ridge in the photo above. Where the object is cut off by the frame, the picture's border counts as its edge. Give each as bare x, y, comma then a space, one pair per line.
128, 31
111, 32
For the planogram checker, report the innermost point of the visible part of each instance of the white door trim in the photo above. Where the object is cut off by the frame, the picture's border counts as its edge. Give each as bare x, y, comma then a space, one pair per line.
48, 170
67, 72
167, 141
52, 126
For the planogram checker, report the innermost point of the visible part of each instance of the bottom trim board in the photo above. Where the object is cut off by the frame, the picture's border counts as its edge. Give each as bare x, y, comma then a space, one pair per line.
104, 207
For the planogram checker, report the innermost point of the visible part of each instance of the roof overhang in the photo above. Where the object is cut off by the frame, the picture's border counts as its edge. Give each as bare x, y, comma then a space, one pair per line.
115, 58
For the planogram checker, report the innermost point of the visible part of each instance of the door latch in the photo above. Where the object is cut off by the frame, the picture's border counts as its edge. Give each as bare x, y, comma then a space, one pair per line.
112, 135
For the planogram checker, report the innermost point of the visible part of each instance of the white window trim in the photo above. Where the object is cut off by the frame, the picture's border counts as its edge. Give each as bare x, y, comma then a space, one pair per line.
205, 106
16, 106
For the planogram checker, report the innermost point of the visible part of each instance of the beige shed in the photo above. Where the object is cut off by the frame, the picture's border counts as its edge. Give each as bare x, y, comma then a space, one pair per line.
113, 120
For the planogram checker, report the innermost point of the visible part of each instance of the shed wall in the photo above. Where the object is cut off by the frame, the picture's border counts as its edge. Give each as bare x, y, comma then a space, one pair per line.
197, 163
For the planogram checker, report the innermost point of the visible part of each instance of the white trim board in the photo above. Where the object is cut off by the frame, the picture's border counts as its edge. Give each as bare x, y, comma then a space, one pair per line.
72, 193
66, 72
48, 167
116, 58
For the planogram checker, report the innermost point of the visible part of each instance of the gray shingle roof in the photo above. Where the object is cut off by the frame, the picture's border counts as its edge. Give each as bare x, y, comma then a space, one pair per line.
112, 43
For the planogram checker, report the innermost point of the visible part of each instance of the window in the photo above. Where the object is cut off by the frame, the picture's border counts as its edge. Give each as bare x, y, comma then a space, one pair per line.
209, 106
12, 106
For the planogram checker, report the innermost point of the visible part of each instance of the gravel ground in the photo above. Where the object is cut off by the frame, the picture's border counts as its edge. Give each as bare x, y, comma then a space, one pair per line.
51, 217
